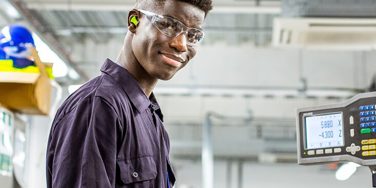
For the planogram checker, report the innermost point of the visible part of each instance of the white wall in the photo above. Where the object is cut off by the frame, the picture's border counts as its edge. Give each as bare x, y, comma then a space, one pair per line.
37, 132
269, 176
227, 65
268, 67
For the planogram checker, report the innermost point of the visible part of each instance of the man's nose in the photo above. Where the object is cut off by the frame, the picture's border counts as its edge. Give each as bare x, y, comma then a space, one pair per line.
180, 42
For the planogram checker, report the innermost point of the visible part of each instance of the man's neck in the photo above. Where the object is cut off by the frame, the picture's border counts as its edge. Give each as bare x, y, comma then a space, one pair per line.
127, 60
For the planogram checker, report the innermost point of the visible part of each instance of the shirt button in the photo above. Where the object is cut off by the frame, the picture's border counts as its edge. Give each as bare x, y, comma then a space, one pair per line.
135, 174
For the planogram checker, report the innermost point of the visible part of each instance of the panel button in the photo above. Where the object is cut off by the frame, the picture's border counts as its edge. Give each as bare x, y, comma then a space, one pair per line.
372, 124
372, 153
337, 150
365, 107
372, 113
371, 107
366, 113
352, 132
364, 142
351, 119
365, 153
363, 119
357, 148
311, 152
371, 147
363, 125
361, 113
372, 141
353, 148
365, 147
374, 130
361, 108
319, 151
372, 118
328, 151
365, 131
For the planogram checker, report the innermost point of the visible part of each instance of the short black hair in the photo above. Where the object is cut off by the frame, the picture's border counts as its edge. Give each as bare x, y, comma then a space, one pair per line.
204, 5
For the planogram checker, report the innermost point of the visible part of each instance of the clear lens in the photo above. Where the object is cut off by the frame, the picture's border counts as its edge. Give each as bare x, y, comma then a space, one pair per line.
195, 36
168, 26
172, 27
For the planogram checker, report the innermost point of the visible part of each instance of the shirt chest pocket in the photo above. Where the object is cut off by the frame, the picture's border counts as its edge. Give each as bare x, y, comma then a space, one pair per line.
137, 170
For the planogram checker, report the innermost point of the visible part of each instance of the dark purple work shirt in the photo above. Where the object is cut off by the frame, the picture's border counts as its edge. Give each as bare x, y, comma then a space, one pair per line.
109, 134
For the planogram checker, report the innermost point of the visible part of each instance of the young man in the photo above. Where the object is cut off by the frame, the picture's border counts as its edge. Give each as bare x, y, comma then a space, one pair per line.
109, 133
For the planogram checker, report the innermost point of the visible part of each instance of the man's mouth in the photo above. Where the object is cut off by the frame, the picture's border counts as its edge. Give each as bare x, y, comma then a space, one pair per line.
172, 59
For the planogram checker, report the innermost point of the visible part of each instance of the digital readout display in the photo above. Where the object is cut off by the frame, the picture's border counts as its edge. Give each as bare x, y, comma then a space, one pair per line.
323, 131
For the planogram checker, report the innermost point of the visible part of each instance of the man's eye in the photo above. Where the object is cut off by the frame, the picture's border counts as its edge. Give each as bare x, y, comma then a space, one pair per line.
191, 34
164, 23
194, 36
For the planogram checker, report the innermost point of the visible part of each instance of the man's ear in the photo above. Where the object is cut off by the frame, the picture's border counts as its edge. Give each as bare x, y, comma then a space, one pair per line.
133, 20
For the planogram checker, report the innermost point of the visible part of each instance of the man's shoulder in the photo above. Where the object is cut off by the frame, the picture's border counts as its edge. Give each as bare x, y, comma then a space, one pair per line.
105, 87
99, 88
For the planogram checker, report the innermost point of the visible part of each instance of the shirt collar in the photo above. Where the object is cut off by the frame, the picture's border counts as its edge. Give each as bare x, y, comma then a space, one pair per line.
130, 86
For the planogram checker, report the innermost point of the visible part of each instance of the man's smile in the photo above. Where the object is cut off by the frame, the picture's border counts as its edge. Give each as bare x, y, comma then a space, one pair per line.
172, 59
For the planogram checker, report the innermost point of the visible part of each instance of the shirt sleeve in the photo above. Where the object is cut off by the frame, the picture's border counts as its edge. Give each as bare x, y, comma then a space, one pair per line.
82, 147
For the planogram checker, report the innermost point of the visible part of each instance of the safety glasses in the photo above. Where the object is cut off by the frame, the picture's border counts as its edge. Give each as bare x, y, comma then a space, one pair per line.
172, 27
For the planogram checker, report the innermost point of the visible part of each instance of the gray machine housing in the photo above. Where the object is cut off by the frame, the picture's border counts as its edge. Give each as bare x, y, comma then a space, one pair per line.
352, 137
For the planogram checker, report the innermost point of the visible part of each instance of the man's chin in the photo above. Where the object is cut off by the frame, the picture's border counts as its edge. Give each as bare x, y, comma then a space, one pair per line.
165, 77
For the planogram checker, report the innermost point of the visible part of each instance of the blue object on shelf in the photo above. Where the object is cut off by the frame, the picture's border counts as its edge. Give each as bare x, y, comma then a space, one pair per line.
15, 41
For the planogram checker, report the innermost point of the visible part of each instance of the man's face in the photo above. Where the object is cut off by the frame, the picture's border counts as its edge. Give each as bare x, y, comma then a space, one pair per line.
162, 56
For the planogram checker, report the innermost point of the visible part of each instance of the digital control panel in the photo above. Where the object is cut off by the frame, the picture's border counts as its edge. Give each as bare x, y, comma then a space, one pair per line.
324, 131
341, 132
